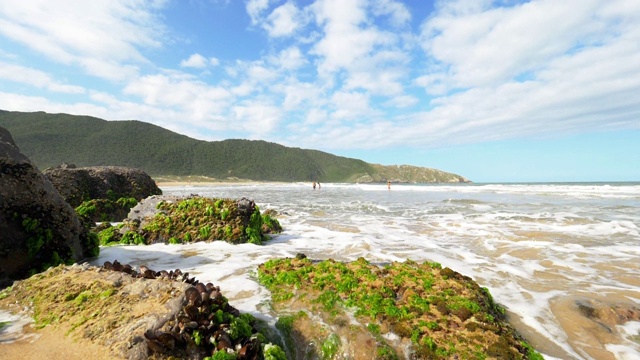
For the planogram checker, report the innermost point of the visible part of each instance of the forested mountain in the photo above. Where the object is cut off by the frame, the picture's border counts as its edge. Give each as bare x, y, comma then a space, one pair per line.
51, 139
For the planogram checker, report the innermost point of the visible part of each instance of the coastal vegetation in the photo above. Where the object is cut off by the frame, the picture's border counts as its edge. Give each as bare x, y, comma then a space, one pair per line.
52, 139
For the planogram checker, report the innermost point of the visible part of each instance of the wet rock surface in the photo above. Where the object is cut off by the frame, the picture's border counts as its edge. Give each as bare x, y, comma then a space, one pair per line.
38, 228
608, 315
79, 184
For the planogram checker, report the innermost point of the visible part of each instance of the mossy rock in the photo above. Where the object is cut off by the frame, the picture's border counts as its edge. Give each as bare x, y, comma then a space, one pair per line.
195, 219
101, 210
440, 312
38, 229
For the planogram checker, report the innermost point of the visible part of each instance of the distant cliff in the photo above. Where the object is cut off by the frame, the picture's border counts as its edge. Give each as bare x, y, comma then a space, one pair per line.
52, 139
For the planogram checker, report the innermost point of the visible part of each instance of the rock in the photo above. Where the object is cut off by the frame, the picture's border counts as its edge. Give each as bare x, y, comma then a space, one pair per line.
38, 228
148, 208
130, 315
101, 182
175, 220
359, 310
608, 315
105, 210
5, 136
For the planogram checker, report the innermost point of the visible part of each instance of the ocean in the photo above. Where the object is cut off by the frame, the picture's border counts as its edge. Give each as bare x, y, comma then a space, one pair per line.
539, 248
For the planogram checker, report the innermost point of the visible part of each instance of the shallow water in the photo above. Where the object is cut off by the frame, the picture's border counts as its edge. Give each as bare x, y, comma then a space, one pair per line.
537, 247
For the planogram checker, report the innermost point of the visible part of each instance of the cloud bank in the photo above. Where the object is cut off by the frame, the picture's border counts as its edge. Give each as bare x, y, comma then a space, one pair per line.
335, 74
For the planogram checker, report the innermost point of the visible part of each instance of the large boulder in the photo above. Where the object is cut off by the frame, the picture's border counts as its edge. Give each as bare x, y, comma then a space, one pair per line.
101, 182
38, 228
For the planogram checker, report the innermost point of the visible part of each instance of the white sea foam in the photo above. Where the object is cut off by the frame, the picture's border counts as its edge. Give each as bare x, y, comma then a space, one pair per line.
630, 348
12, 330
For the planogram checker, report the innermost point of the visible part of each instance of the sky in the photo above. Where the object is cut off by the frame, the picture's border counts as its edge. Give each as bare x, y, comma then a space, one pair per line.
496, 91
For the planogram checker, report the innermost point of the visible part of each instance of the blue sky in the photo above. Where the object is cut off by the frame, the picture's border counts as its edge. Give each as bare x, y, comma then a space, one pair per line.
540, 90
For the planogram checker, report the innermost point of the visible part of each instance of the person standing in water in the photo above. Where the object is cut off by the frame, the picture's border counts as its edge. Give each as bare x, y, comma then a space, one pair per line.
314, 185
389, 184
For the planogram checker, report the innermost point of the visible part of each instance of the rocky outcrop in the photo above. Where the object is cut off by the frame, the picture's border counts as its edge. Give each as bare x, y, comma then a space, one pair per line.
179, 220
38, 228
360, 310
133, 312
101, 182
410, 174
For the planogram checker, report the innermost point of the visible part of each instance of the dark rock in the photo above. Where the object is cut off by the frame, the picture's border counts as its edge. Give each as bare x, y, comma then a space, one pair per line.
245, 206
38, 228
101, 182
608, 315
5, 137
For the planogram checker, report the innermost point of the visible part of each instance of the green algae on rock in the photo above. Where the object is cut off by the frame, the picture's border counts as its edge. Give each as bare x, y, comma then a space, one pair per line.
400, 310
194, 219
98, 210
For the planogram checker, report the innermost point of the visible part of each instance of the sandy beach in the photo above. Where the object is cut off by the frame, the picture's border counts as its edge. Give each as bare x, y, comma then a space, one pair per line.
203, 181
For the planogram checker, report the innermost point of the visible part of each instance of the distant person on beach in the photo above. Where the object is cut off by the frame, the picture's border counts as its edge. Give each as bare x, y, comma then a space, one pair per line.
319, 186
388, 184
314, 185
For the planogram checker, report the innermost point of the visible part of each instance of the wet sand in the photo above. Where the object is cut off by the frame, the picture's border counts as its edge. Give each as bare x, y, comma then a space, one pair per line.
51, 343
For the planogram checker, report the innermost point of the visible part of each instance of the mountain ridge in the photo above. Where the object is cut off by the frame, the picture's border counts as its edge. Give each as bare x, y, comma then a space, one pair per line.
52, 139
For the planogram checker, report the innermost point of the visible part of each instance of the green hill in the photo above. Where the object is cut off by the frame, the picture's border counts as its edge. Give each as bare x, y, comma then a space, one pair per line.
51, 139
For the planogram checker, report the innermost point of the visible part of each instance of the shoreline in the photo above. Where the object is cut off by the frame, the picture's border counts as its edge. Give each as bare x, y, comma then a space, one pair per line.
175, 181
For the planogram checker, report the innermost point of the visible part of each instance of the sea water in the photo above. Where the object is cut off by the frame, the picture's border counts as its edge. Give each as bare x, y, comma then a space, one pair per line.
538, 248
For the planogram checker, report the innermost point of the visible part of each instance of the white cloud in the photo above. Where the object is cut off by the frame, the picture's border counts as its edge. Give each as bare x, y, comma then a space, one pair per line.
352, 106
316, 116
383, 73
535, 69
300, 94
17, 102
92, 34
290, 58
36, 78
255, 8
402, 101
344, 42
357, 51
198, 61
397, 11
283, 21
195, 101
256, 117
350, 78
251, 77
194, 61
260, 73
483, 47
